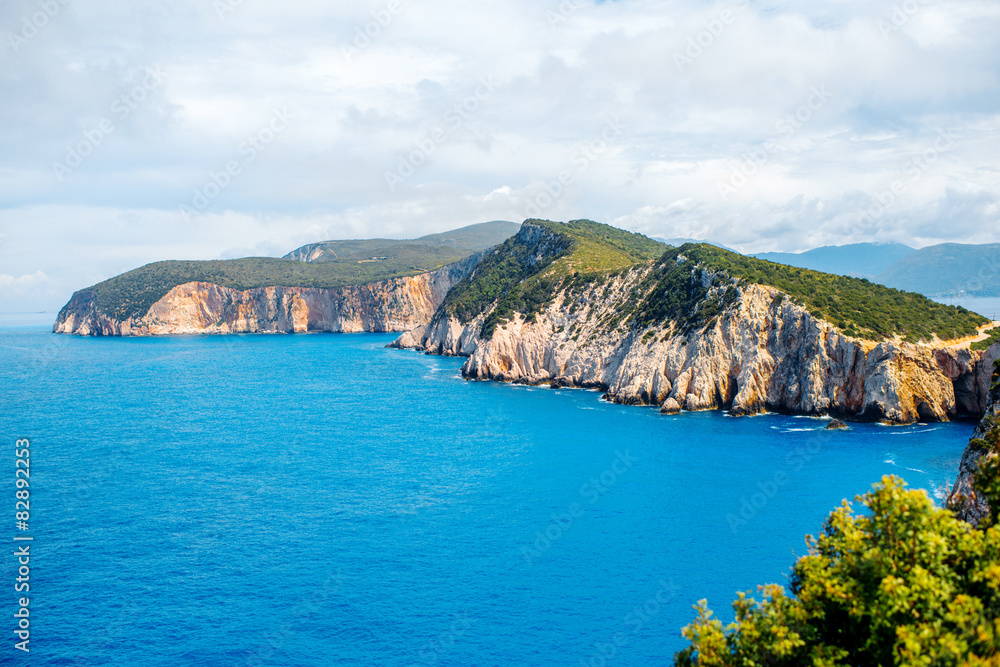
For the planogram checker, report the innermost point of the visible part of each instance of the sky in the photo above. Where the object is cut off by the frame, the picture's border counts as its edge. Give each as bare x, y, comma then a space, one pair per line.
143, 131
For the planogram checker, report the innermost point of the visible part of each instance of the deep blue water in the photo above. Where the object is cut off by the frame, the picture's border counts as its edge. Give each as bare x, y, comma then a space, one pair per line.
321, 500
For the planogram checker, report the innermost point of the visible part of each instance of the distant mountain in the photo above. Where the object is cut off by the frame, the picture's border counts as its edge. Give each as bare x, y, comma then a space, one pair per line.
679, 241
860, 260
474, 237
456, 244
947, 270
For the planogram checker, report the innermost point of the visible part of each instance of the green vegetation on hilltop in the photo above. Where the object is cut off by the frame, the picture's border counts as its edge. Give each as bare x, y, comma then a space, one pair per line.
330, 264
856, 306
902, 583
521, 277
500, 279
600, 249
132, 293
473, 237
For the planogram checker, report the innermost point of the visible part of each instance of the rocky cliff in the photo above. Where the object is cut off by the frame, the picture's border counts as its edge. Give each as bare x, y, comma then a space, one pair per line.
745, 347
396, 304
963, 499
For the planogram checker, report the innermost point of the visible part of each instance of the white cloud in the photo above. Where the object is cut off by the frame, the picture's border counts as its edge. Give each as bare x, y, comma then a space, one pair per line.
28, 292
558, 82
20, 283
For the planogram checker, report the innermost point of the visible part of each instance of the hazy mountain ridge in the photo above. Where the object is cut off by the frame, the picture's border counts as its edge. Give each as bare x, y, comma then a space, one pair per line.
679, 241
453, 244
948, 269
943, 270
861, 260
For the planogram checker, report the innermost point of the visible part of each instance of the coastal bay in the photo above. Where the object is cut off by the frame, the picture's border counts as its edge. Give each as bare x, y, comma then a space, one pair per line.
335, 498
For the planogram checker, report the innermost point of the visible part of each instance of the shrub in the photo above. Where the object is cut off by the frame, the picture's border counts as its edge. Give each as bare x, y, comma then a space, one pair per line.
904, 583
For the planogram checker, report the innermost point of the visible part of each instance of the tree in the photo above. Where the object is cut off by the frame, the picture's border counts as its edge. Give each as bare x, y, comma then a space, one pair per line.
904, 583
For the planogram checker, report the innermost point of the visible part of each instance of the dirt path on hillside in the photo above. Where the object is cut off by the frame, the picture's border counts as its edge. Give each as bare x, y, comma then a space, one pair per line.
984, 333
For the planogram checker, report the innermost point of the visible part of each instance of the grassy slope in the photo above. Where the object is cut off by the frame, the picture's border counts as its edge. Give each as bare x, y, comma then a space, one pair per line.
589, 252
517, 281
599, 249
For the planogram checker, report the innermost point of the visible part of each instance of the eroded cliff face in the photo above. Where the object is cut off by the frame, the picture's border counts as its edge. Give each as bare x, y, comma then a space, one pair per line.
963, 499
763, 352
398, 304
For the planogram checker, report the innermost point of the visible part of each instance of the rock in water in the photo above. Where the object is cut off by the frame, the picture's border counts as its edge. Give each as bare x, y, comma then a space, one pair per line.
670, 407
836, 424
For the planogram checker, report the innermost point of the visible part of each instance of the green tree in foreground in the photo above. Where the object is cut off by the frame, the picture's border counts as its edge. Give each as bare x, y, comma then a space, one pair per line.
904, 583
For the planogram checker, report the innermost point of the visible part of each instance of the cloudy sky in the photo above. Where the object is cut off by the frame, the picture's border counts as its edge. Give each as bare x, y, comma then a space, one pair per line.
135, 132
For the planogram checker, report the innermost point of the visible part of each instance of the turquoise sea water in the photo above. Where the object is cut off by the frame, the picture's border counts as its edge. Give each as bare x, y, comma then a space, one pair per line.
321, 500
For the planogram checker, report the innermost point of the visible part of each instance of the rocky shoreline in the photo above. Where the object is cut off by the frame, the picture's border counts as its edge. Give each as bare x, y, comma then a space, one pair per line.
963, 499
757, 351
391, 305
761, 353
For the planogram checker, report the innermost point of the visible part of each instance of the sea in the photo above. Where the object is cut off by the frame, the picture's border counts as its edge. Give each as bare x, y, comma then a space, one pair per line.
323, 500
985, 306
